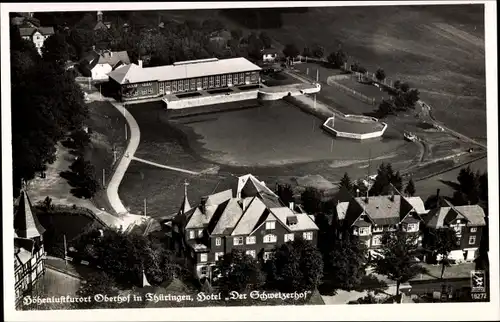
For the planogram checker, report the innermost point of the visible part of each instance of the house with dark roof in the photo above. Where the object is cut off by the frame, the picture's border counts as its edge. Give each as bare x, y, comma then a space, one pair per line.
468, 222
98, 65
250, 217
29, 253
370, 216
37, 35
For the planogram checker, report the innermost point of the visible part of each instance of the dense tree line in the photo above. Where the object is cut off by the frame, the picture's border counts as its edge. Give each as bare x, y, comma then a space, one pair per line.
46, 105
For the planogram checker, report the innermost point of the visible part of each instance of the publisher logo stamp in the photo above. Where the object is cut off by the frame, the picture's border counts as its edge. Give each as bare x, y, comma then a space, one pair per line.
478, 280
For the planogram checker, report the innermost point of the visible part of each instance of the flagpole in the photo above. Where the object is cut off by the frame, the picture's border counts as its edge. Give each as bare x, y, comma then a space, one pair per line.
65, 251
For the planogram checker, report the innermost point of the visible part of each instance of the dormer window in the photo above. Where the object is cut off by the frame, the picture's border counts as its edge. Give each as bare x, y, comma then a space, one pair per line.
291, 220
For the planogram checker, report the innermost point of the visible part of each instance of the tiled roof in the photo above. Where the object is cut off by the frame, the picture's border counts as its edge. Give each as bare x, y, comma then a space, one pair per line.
197, 219
304, 222
22, 256
342, 209
114, 57
136, 74
440, 217
220, 197
230, 216
46, 31
418, 205
384, 210
26, 223
250, 217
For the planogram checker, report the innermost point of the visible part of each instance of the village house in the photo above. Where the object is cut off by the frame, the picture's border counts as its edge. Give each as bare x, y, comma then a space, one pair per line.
29, 253
98, 65
250, 218
37, 35
369, 217
24, 19
269, 55
467, 221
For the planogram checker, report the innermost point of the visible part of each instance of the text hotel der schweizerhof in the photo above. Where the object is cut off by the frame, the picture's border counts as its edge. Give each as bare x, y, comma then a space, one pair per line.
154, 297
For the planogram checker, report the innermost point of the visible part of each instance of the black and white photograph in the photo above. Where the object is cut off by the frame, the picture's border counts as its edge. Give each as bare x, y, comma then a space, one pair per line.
250, 160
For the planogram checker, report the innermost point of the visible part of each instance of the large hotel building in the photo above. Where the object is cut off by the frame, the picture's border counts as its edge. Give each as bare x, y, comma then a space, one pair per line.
135, 82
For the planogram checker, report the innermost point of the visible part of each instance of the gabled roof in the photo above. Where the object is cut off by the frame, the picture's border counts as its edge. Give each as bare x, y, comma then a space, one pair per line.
385, 210
417, 204
112, 58
303, 221
443, 216
197, 219
229, 217
342, 209
46, 31
26, 224
218, 198
250, 185
250, 218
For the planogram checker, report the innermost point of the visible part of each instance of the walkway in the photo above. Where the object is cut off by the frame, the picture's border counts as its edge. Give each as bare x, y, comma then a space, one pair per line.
165, 166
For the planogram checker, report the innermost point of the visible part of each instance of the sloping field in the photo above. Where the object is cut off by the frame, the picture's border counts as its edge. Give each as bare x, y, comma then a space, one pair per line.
438, 49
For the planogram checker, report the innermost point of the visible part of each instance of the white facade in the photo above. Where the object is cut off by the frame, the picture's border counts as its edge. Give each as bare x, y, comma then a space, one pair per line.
101, 71
269, 57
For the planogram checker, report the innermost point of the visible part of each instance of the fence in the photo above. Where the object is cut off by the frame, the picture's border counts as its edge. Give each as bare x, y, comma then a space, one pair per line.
350, 91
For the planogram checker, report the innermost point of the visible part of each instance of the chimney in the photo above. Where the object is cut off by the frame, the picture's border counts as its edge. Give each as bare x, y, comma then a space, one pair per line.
366, 199
291, 205
139, 62
204, 204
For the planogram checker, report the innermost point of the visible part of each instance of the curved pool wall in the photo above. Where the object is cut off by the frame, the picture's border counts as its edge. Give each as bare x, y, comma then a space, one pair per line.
329, 127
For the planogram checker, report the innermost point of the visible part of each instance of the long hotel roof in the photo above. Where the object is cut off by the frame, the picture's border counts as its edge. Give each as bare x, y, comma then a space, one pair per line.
197, 68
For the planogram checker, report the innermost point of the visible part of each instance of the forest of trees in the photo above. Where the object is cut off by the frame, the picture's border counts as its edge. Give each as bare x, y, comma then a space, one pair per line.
46, 105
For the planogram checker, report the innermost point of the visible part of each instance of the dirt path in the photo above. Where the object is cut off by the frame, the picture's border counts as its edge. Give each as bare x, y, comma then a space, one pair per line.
165, 166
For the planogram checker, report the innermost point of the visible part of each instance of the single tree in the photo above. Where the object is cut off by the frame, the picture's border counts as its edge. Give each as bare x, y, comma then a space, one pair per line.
80, 138
345, 265
265, 40
440, 242
237, 272
295, 266
318, 51
56, 49
410, 188
338, 58
380, 74
346, 183
398, 257
397, 84
285, 193
306, 52
311, 200
291, 51
405, 87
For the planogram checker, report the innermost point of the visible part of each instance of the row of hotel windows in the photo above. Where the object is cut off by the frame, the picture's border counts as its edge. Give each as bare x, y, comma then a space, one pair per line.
270, 225
364, 231
267, 239
193, 84
219, 255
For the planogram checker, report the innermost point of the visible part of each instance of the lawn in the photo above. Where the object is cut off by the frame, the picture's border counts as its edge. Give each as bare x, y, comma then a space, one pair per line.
428, 187
108, 135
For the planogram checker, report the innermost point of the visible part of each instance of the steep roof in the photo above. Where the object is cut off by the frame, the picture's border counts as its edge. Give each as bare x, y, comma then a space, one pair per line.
220, 197
46, 31
26, 223
197, 219
250, 217
303, 221
229, 217
342, 209
182, 70
442, 216
417, 204
385, 210
113, 57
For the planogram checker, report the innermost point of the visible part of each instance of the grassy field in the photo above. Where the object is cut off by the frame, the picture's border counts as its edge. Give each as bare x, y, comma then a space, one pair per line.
428, 187
437, 49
